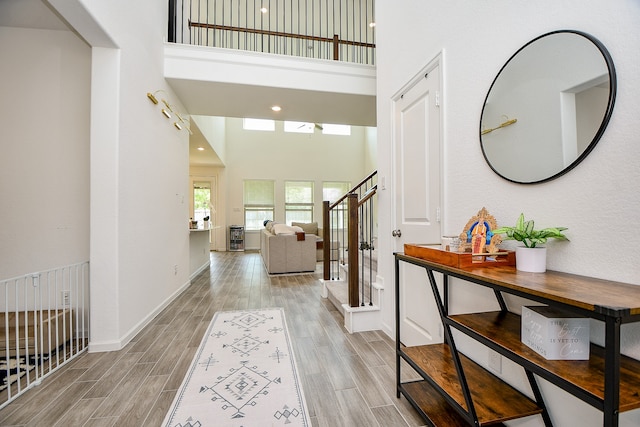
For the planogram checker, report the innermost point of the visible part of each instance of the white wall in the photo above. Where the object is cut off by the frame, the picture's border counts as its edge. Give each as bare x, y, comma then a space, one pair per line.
44, 160
288, 156
198, 251
599, 200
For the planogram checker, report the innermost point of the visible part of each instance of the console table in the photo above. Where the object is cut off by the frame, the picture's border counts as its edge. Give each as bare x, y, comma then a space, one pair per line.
455, 391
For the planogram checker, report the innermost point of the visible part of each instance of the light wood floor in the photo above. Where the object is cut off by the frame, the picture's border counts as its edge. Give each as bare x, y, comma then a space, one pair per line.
348, 380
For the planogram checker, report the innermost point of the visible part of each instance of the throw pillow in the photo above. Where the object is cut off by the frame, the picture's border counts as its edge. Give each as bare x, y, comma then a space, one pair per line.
309, 228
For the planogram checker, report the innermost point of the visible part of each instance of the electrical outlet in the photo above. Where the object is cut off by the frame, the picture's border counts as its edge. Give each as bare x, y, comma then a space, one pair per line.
495, 362
65, 297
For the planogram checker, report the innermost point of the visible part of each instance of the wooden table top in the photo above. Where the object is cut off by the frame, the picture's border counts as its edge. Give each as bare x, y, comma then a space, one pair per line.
597, 295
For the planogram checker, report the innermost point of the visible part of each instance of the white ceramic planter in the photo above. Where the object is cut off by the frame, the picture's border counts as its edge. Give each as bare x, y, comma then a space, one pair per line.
533, 260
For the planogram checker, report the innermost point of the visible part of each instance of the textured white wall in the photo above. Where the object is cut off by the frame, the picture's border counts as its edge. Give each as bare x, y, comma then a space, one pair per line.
599, 200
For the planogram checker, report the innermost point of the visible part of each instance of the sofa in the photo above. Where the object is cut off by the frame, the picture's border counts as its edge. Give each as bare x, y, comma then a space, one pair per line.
287, 249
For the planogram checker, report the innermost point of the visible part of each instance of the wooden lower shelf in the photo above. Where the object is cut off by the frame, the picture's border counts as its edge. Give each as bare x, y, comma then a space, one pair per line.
503, 330
494, 400
433, 405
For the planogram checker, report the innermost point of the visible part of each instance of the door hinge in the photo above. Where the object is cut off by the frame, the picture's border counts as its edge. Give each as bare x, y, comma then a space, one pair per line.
437, 98
438, 214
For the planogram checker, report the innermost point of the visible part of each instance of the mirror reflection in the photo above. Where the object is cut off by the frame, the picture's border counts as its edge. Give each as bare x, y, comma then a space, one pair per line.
547, 107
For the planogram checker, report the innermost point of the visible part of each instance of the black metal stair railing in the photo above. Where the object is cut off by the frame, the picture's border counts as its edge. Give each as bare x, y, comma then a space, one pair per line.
328, 29
348, 238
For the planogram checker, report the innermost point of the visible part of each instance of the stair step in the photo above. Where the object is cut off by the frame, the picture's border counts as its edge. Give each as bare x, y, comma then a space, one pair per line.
339, 294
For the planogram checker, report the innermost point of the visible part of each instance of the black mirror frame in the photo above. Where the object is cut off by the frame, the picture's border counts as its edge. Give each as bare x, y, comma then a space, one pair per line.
605, 121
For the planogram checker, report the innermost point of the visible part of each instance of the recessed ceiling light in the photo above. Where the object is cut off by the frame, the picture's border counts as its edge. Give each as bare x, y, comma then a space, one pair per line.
200, 148
264, 10
276, 108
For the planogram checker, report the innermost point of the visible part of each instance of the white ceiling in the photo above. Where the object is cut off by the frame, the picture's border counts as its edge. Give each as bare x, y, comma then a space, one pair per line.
238, 100
206, 157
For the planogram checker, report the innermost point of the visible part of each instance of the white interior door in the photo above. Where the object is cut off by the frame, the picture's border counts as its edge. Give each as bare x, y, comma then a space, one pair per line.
417, 196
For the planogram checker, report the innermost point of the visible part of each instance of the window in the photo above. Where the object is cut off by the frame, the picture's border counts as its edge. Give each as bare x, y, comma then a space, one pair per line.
331, 192
298, 127
326, 128
259, 203
329, 129
259, 124
298, 201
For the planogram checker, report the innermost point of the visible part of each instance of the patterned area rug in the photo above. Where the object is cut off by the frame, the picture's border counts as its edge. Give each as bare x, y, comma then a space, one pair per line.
11, 370
243, 374
14, 368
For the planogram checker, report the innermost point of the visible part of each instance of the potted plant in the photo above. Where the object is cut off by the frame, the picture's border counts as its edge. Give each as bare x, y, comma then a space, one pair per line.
531, 257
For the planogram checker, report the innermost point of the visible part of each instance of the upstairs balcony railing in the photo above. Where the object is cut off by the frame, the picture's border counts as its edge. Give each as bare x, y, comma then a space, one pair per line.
328, 29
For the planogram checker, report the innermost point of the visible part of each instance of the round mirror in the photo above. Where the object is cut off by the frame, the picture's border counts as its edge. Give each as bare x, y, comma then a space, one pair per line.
547, 107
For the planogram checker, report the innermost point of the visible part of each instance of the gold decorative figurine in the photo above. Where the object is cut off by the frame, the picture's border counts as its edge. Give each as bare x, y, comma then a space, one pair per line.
477, 236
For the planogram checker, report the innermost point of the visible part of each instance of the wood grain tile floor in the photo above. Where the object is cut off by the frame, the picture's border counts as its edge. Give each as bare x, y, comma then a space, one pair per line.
348, 379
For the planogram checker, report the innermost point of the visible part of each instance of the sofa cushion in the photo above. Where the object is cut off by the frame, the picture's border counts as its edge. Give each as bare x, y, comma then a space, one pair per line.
307, 227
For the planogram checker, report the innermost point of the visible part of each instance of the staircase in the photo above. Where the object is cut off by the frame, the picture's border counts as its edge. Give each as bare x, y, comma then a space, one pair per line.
349, 223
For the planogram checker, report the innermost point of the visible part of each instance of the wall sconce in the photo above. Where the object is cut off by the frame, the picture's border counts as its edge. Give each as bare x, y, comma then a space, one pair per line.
152, 96
182, 123
168, 110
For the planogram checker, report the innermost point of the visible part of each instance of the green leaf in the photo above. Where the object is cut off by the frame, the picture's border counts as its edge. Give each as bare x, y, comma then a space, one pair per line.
525, 232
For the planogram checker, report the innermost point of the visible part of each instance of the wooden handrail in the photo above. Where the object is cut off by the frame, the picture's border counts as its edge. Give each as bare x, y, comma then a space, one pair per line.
369, 194
335, 40
358, 185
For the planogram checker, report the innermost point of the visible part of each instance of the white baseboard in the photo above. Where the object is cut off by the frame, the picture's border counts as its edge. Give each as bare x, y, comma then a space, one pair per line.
200, 269
115, 345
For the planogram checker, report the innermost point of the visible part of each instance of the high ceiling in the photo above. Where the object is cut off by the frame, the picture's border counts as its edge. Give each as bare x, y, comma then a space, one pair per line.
240, 100
229, 100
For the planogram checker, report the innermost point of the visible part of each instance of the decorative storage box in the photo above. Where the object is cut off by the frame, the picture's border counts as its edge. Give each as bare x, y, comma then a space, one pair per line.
554, 334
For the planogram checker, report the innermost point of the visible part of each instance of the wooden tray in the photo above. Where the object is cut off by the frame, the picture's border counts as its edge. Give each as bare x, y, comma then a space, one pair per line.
434, 253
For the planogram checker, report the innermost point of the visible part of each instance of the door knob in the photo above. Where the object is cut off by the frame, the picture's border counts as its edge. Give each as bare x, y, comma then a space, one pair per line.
396, 233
